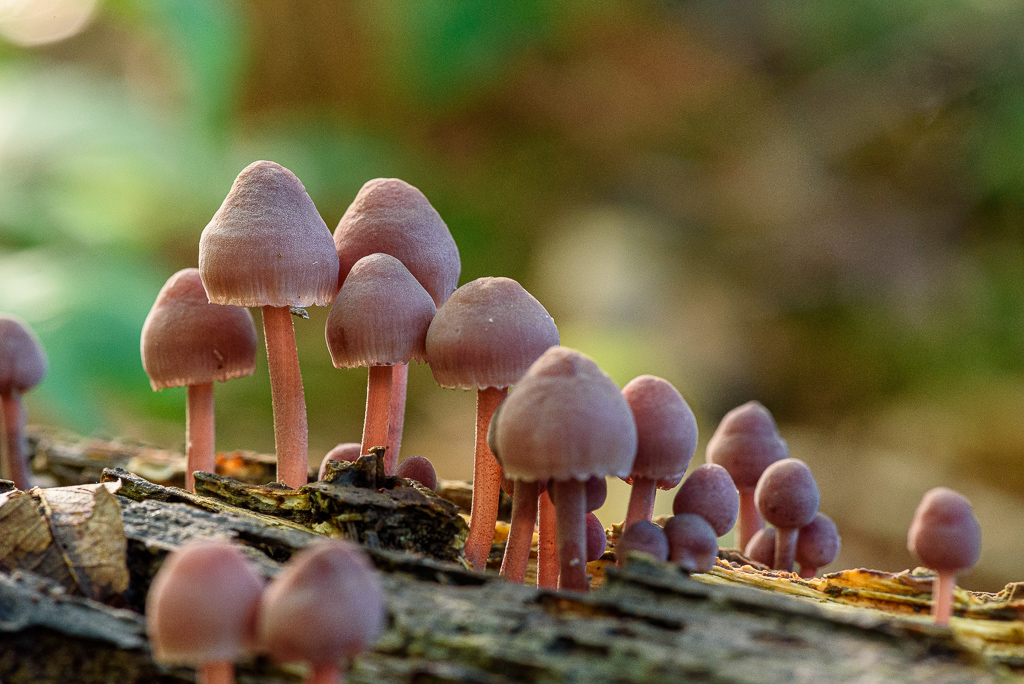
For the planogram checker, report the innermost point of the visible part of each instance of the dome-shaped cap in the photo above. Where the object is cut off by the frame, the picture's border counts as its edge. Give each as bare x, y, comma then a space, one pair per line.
666, 430
267, 244
945, 535
745, 443
186, 340
787, 495
202, 605
692, 544
709, 493
487, 334
326, 604
22, 360
380, 316
391, 216
565, 420
818, 543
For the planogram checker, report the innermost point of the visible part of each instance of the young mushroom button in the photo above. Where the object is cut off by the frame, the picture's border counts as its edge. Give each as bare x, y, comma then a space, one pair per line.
692, 543
22, 366
787, 497
817, 545
709, 493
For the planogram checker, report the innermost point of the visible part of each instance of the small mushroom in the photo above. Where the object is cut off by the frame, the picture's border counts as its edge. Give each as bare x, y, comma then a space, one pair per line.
418, 468
692, 542
817, 545
643, 536
22, 366
787, 497
345, 451
946, 537
709, 493
597, 538
761, 547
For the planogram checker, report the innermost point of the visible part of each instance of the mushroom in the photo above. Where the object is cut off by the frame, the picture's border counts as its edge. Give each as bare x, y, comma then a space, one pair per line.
692, 542
666, 439
745, 443
327, 604
420, 469
643, 536
392, 217
22, 366
709, 493
267, 246
817, 545
379, 318
485, 337
761, 547
201, 609
597, 538
346, 451
566, 422
187, 341
787, 496
946, 537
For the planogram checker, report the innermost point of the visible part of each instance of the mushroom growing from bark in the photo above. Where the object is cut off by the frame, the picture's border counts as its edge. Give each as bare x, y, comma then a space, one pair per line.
709, 493
761, 547
692, 542
187, 341
267, 246
946, 537
346, 451
817, 545
22, 366
485, 337
420, 469
787, 497
643, 536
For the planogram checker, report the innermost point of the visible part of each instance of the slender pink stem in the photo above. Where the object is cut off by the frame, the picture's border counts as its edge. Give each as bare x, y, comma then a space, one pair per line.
641, 501
520, 534
396, 417
749, 522
571, 512
942, 595
547, 549
220, 672
785, 549
486, 482
325, 673
378, 404
199, 433
16, 455
290, 431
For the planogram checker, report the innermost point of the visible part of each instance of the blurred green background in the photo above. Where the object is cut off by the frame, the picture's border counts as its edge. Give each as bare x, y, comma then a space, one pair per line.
817, 204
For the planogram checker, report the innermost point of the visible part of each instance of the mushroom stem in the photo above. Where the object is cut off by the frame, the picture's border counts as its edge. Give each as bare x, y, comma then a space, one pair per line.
547, 551
785, 549
396, 416
520, 534
220, 672
486, 482
749, 521
641, 501
199, 432
571, 509
290, 431
378, 405
942, 595
325, 673
14, 430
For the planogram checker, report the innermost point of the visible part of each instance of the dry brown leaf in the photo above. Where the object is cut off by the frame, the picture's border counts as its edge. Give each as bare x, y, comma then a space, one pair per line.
26, 542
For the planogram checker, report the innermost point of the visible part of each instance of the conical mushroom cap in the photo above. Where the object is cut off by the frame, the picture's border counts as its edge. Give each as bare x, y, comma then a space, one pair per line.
390, 216
746, 442
267, 244
22, 360
666, 430
487, 334
186, 340
380, 316
565, 420
945, 535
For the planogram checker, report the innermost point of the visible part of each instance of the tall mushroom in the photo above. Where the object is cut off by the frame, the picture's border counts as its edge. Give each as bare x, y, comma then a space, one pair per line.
787, 496
485, 337
392, 217
22, 366
267, 246
187, 341
379, 318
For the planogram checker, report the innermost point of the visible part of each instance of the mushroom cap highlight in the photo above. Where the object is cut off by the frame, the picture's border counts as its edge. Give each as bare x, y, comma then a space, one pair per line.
566, 419
787, 495
487, 334
709, 493
186, 340
202, 605
818, 542
267, 245
945, 535
746, 442
22, 359
692, 543
666, 430
380, 316
388, 215
327, 604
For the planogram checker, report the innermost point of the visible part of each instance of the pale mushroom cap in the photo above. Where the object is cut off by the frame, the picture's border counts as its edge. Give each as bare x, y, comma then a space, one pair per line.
388, 215
746, 442
566, 419
709, 493
327, 604
267, 244
202, 605
666, 430
945, 535
380, 316
787, 495
22, 359
818, 542
487, 334
186, 340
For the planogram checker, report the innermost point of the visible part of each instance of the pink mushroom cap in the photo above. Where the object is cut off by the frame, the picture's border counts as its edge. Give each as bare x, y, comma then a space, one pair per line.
761, 547
666, 430
692, 543
818, 542
787, 495
597, 538
418, 468
645, 537
746, 442
346, 451
945, 535
709, 493
22, 359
